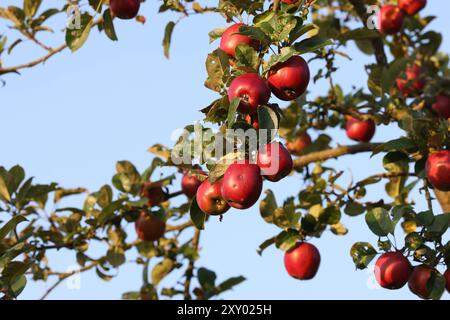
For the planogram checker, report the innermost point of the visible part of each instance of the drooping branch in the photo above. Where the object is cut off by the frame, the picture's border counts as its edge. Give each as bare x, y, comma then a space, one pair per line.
333, 153
64, 276
377, 43
33, 63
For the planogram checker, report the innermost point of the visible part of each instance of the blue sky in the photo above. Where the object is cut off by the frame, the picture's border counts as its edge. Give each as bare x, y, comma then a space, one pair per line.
70, 120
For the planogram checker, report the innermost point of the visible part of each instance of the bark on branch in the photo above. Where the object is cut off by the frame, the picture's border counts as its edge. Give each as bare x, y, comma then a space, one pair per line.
377, 43
333, 153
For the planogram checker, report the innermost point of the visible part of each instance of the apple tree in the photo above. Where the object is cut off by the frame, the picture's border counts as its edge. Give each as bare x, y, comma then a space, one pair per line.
260, 75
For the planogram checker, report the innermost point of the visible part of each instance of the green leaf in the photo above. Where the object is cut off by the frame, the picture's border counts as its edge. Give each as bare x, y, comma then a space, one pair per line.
4, 193
115, 256
167, 38
247, 58
265, 245
255, 33
61, 193
30, 7
10, 225
362, 254
216, 34
206, 278
440, 224
15, 177
268, 120
161, 270
436, 285
232, 111
108, 25
267, 206
218, 69
402, 143
379, 221
198, 217
286, 240
331, 215
359, 34
229, 284
354, 208
11, 253
285, 54
312, 44
426, 218
75, 38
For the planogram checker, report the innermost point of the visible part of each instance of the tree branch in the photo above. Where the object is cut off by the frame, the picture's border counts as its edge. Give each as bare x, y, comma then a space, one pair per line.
333, 153
33, 63
377, 43
64, 276
190, 269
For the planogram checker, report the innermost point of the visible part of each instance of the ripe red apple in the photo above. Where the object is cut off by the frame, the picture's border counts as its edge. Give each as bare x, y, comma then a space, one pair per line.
392, 270
252, 120
124, 9
360, 130
289, 80
411, 7
302, 261
252, 90
411, 83
210, 200
390, 19
297, 146
190, 183
418, 280
438, 170
154, 193
242, 185
442, 106
447, 280
149, 227
231, 39
274, 161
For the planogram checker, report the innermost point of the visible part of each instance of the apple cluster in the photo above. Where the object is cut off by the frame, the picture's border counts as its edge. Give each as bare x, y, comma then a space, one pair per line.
391, 17
393, 270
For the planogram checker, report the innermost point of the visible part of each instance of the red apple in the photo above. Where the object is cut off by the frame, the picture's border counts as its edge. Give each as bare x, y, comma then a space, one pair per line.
360, 130
442, 106
190, 183
149, 227
297, 146
411, 83
438, 170
418, 280
252, 90
274, 161
153, 192
210, 200
124, 9
252, 120
411, 7
302, 261
289, 80
289, 1
392, 270
447, 280
231, 39
242, 185
390, 19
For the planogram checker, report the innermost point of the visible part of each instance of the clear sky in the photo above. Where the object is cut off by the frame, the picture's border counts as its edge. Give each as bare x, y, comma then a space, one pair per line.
70, 120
